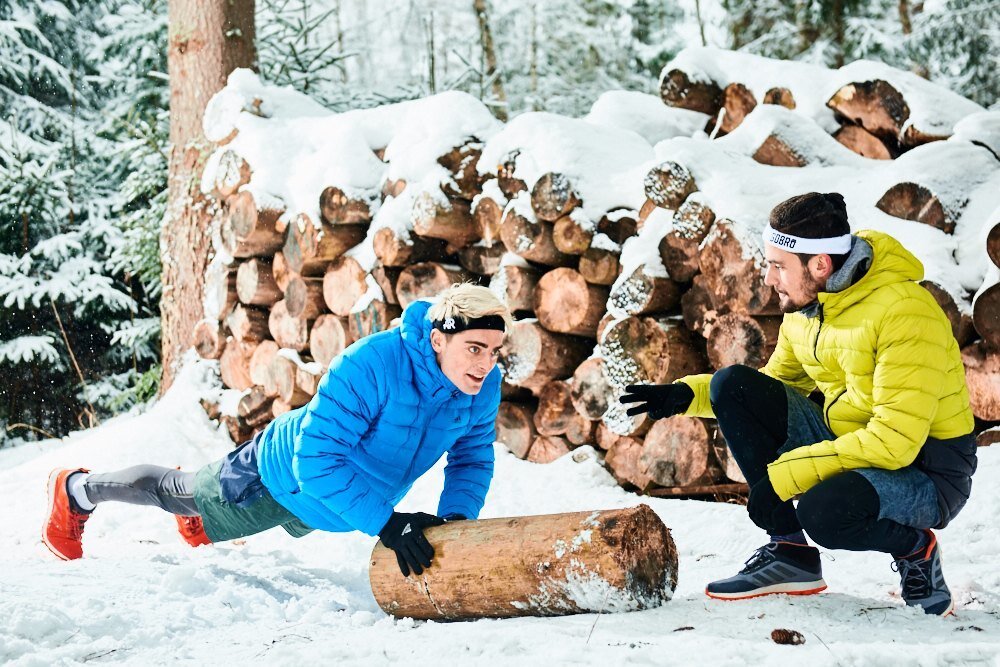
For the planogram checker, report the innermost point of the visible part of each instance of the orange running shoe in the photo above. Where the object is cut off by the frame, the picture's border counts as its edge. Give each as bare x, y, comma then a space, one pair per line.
63, 530
192, 529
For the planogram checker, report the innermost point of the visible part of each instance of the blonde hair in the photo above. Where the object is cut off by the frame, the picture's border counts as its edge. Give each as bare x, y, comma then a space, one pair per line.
465, 301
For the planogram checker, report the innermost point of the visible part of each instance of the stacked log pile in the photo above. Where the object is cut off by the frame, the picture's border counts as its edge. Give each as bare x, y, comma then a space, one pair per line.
633, 290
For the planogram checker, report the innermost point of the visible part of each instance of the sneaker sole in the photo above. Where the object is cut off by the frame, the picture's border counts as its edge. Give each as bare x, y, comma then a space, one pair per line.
801, 588
53, 478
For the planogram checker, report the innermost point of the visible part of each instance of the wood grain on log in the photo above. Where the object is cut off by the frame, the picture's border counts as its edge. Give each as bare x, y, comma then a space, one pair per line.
555, 408
220, 291
776, 151
993, 243
863, 142
386, 278
337, 208
590, 389
642, 293
605, 437
249, 231
438, 217
599, 266
343, 284
570, 236
516, 427
483, 260
669, 184
531, 239
990, 436
548, 448
209, 339
308, 250
677, 90
780, 96
427, 279
284, 373
280, 271
462, 163
393, 251
307, 381
487, 216
255, 407
248, 324
304, 298
534, 566
288, 331
911, 201
376, 316
619, 225
234, 364
875, 106
232, 173
738, 101
737, 338
329, 336
733, 275
982, 376
623, 461
532, 355
728, 466
580, 431
679, 246
553, 196
516, 285
696, 306
566, 303
676, 452
644, 349
509, 184
260, 367
255, 284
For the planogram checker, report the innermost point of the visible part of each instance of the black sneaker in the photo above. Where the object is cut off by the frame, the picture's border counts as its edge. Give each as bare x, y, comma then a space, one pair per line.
922, 581
777, 567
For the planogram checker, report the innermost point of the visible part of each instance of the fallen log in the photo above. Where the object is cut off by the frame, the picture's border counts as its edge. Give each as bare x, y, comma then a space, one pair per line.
600, 266
386, 278
462, 163
393, 251
249, 231
619, 225
990, 436
220, 291
643, 292
487, 214
676, 452
986, 314
260, 367
570, 236
863, 142
646, 350
548, 565
481, 258
623, 462
677, 90
555, 409
993, 244
307, 380
911, 201
239, 431
232, 173
732, 271
780, 96
280, 271
874, 105
696, 306
777, 151
509, 184
288, 331
248, 324
209, 339
531, 238
580, 431
376, 316
255, 407
284, 372
738, 101
234, 364
515, 285
304, 298
566, 303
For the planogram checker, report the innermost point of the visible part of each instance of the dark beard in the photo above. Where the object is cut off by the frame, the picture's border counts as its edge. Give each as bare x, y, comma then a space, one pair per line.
813, 287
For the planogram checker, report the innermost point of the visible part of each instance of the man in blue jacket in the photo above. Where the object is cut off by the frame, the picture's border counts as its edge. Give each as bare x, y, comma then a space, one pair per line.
387, 410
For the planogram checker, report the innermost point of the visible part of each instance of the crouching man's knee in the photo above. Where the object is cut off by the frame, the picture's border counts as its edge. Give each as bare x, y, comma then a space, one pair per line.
728, 383
836, 512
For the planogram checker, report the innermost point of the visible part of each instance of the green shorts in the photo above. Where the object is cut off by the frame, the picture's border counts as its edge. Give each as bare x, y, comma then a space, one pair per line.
226, 521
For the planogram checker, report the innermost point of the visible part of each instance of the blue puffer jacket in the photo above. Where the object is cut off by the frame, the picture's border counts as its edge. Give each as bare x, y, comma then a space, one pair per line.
381, 417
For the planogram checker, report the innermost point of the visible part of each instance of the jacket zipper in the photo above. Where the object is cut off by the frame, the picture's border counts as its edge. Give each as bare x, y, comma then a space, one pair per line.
819, 329
827, 415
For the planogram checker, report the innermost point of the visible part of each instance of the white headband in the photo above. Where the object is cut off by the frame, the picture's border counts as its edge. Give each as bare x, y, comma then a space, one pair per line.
837, 245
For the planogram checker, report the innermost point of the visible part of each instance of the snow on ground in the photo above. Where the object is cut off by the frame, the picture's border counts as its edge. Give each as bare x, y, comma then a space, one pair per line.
141, 596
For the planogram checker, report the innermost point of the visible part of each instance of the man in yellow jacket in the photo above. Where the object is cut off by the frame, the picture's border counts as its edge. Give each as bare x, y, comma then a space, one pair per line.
889, 454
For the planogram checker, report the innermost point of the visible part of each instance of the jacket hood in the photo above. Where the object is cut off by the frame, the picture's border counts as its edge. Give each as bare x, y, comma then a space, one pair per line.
891, 263
415, 331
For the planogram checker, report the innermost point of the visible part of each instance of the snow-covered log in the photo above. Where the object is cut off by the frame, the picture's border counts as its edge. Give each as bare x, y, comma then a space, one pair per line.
566, 303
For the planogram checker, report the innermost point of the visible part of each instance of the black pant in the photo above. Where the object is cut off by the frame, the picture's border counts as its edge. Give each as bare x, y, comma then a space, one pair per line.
838, 513
166, 488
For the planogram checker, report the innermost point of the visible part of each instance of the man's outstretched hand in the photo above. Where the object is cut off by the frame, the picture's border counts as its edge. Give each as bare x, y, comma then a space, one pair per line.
659, 400
404, 534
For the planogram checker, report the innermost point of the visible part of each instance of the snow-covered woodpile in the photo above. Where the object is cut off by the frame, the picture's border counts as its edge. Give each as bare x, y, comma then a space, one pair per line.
626, 242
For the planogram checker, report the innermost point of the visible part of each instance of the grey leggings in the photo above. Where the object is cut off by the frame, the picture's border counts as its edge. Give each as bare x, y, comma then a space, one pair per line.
166, 488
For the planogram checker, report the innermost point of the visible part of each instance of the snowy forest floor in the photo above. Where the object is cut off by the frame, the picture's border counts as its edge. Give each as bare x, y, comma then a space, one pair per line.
142, 596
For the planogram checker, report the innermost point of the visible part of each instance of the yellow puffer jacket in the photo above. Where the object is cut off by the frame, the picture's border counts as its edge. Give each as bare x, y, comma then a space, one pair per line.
883, 354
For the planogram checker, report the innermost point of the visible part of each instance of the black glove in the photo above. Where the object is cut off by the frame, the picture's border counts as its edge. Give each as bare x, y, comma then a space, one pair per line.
659, 400
404, 534
455, 517
763, 504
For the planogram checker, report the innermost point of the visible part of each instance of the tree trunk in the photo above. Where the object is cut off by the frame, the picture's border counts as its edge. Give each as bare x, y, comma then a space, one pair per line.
548, 565
555, 408
304, 298
624, 461
280, 271
234, 364
483, 260
249, 231
553, 196
548, 448
643, 349
776, 151
490, 56
874, 105
260, 367
288, 331
570, 237
206, 42
284, 371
